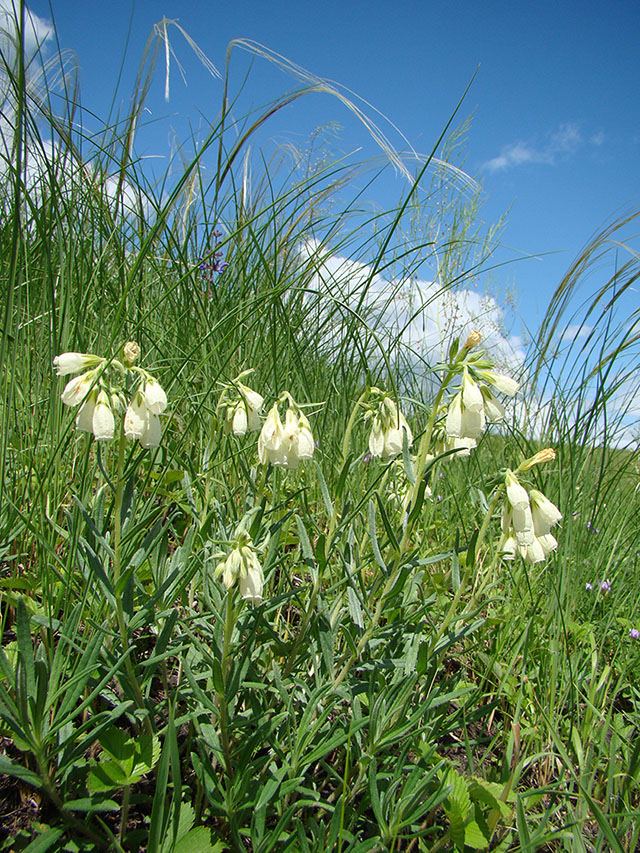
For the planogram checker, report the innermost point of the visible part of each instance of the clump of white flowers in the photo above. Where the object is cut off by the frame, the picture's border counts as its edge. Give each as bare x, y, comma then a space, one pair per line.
474, 403
527, 519
242, 567
100, 395
285, 444
389, 426
240, 406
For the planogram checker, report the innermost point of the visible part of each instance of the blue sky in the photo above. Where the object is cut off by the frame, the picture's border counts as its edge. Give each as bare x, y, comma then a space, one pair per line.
555, 137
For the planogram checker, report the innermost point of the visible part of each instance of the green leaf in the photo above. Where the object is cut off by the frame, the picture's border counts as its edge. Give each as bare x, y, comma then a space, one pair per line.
25, 649
473, 836
324, 491
387, 525
44, 841
198, 840
9, 768
92, 804
106, 776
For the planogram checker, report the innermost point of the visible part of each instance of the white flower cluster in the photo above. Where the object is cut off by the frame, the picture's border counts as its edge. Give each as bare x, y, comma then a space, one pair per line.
285, 445
242, 566
141, 419
474, 404
388, 427
98, 400
241, 406
527, 519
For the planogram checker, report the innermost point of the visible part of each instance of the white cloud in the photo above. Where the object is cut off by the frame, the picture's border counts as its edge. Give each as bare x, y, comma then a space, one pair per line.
566, 140
414, 319
36, 29
575, 332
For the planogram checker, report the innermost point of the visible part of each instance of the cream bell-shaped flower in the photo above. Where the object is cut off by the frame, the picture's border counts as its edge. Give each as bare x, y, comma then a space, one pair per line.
284, 445
527, 518
388, 428
462, 422
77, 388
84, 418
154, 395
394, 437
142, 424
242, 567
73, 362
504, 384
103, 422
250, 576
244, 414
270, 438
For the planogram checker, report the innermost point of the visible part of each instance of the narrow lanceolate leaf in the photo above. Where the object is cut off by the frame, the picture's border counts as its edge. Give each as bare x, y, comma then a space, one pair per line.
387, 524
10, 768
25, 649
373, 536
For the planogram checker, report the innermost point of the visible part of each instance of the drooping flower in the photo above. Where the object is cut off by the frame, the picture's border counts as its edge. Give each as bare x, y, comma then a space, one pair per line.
74, 362
141, 423
77, 388
103, 422
155, 398
527, 518
285, 445
244, 413
388, 429
242, 566
474, 403
504, 384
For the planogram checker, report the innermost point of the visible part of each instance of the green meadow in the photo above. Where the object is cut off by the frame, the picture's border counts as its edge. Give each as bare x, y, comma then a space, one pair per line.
274, 577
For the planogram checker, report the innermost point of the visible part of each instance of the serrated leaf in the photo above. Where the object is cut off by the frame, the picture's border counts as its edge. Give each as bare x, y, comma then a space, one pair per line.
106, 776
197, 840
473, 836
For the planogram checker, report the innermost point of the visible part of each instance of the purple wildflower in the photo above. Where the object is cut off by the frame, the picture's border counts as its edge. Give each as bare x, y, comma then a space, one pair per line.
634, 634
605, 585
588, 586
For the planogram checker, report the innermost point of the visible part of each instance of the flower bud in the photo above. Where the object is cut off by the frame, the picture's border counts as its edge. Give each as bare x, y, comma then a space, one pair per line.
131, 353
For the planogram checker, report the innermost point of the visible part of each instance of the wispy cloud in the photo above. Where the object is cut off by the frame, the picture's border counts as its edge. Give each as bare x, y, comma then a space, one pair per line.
566, 140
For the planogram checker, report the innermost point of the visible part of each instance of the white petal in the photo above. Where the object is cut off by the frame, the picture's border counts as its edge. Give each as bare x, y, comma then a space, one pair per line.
77, 389
376, 439
253, 399
517, 494
135, 418
70, 362
472, 398
84, 418
154, 396
153, 431
454, 417
493, 408
103, 424
239, 424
